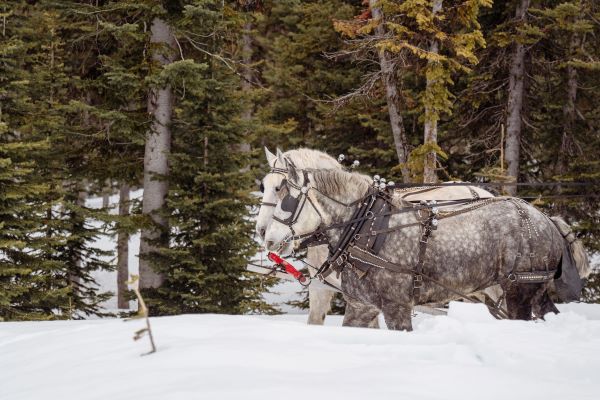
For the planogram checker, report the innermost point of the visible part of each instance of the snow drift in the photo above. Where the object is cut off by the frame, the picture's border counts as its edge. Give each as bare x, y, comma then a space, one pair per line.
465, 355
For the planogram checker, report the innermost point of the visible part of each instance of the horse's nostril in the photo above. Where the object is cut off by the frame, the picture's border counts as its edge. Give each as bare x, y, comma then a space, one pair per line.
261, 233
270, 244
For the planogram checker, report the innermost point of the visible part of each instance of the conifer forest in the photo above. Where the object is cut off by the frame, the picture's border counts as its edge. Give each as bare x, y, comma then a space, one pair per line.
179, 98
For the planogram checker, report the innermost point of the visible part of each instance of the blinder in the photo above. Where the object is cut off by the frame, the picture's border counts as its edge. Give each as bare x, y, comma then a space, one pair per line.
291, 204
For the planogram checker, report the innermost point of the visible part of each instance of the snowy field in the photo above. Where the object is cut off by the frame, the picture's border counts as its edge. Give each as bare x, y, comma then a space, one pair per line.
465, 355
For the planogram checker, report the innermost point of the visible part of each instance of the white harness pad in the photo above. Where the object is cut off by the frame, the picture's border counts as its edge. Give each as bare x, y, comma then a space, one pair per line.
441, 193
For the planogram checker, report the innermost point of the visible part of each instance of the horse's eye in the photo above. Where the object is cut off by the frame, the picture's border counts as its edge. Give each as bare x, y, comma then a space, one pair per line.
262, 187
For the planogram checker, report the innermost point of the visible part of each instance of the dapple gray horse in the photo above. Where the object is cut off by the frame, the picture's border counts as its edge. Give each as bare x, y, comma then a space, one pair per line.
468, 252
319, 298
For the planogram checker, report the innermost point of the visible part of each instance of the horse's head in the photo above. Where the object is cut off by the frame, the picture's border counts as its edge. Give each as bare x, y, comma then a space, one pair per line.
310, 198
297, 211
269, 187
271, 183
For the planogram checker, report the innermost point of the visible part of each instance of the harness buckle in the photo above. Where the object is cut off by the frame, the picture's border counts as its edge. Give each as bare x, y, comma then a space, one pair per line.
418, 281
341, 260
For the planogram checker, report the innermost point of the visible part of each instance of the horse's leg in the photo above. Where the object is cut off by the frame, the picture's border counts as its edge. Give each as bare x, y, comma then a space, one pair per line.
544, 306
398, 316
374, 324
319, 301
521, 298
360, 315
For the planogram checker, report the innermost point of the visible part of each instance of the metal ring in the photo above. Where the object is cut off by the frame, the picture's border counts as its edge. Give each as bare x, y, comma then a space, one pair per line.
512, 277
367, 215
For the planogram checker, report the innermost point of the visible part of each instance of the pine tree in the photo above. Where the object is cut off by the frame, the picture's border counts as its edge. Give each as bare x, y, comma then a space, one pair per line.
428, 44
204, 262
49, 260
27, 290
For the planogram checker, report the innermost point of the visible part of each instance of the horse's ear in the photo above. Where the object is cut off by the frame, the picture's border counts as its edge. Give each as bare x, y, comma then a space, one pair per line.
270, 157
292, 172
280, 157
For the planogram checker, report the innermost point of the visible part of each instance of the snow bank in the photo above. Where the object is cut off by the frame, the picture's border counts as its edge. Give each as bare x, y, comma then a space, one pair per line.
464, 355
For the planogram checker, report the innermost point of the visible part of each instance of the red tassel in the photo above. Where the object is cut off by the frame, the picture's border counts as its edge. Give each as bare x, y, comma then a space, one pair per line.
289, 268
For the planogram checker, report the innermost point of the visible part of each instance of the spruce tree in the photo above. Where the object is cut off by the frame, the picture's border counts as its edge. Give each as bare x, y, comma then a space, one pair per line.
49, 260
210, 239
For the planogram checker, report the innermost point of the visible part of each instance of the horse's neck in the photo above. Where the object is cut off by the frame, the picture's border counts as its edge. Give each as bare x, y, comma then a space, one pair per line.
339, 214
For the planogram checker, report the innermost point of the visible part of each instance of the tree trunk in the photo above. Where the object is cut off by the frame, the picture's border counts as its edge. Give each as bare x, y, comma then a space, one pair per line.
158, 146
247, 78
566, 144
430, 129
77, 261
515, 105
391, 94
106, 191
123, 251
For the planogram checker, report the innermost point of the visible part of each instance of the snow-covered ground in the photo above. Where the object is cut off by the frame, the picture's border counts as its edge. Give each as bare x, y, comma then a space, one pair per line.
465, 355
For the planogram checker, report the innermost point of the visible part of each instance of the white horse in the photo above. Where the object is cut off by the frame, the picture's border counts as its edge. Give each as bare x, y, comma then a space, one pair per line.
319, 299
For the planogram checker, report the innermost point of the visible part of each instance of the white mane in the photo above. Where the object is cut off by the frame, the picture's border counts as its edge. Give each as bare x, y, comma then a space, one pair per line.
309, 158
338, 183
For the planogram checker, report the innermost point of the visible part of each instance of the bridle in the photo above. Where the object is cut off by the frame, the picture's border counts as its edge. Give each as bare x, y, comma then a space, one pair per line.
295, 205
291, 204
275, 170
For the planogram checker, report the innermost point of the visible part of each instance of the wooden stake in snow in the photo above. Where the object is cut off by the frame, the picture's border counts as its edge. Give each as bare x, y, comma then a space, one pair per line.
142, 313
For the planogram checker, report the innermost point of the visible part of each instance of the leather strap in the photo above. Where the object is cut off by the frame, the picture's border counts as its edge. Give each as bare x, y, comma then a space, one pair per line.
428, 227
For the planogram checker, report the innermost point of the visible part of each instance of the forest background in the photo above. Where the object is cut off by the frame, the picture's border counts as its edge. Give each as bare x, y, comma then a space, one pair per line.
179, 98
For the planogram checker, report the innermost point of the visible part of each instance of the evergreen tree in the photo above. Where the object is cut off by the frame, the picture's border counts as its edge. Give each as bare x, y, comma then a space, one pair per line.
210, 239
27, 288
430, 44
53, 254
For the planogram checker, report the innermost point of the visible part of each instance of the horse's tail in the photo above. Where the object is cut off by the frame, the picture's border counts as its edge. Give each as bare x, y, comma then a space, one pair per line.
575, 247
